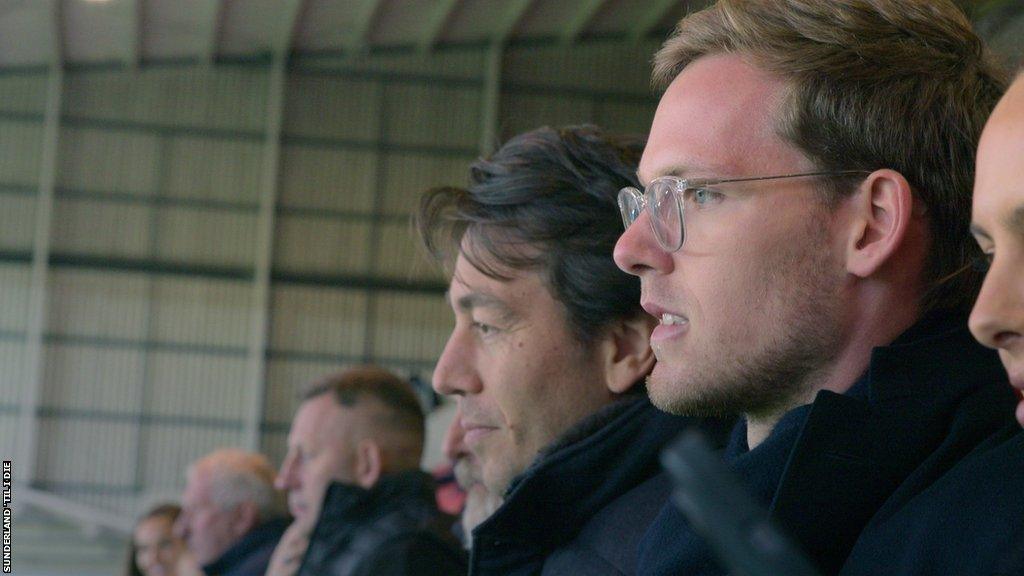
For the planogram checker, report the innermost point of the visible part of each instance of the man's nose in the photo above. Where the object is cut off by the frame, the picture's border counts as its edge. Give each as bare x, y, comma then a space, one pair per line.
638, 251
286, 478
180, 527
455, 372
997, 320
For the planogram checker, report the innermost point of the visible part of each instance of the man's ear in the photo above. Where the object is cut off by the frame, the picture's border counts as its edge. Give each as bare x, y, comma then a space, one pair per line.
247, 516
880, 215
626, 353
369, 462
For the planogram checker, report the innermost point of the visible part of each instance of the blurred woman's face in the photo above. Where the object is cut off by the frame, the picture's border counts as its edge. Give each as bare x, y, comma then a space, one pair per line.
157, 551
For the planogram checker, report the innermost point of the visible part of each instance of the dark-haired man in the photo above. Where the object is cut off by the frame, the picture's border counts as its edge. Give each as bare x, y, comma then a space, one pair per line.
548, 354
354, 485
802, 235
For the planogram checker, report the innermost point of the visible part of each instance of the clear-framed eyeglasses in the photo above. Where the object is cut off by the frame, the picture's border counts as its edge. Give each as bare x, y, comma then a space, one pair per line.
667, 198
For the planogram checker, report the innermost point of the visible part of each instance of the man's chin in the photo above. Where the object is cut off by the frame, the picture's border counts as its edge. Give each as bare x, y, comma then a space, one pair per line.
663, 388
497, 481
306, 520
680, 394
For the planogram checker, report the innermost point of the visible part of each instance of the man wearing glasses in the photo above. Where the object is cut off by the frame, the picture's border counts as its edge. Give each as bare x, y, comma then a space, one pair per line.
802, 236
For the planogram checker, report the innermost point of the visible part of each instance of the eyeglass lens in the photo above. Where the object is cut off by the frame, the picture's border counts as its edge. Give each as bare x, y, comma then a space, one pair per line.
630, 205
666, 213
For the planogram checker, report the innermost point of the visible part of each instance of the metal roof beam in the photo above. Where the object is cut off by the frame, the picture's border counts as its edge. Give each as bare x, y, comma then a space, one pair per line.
132, 40
435, 24
55, 23
208, 51
514, 11
649, 19
282, 40
491, 100
588, 8
362, 16
32, 384
270, 164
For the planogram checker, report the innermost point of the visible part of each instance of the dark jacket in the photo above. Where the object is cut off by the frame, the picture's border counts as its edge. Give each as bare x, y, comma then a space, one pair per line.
968, 522
582, 507
250, 555
924, 403
392, 529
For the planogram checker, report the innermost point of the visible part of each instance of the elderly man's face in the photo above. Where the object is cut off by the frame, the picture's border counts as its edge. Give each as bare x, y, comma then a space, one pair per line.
998, 224
207, 529
521, 377
320, 450
750, 304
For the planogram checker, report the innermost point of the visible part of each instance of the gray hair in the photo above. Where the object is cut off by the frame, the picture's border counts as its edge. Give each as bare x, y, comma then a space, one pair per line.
236, 477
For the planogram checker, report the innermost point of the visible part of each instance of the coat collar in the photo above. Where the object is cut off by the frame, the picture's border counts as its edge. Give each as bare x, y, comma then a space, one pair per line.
345, 503
605, 455
855, 450
256, 539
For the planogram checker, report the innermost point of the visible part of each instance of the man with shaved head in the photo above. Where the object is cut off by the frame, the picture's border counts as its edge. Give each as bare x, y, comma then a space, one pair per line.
361, 504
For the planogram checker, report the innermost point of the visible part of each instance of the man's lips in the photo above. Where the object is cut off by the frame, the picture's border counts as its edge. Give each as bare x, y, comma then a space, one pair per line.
1015, 370
664, 315
652, 308
475, 431
297, 508
670, 324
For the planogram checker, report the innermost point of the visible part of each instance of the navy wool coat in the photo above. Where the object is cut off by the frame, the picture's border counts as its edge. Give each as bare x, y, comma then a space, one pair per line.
926, 401
583, 506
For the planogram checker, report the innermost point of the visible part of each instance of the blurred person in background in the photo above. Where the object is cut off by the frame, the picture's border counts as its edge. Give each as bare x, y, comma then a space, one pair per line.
362, 506
155, 550
231, 516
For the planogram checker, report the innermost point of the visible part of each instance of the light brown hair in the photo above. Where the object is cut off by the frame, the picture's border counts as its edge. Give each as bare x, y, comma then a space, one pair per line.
899, 84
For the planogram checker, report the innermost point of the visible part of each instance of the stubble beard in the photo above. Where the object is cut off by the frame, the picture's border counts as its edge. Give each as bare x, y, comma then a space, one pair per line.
480, 504
466, 471
787, 365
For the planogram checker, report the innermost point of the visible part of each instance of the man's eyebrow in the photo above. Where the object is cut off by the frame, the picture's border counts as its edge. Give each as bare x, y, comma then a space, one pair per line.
680, 171
1015, 221
674, 170
977, 230
472, 300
